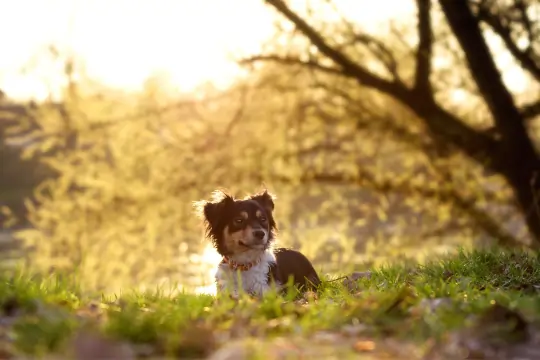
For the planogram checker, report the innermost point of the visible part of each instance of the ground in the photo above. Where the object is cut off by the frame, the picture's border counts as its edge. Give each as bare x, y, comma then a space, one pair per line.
481, 304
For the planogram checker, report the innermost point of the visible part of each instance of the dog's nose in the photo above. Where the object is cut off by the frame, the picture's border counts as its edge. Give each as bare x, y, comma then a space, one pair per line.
259, 234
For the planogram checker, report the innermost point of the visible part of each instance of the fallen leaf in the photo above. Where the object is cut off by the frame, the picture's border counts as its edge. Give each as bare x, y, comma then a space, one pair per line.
364, 345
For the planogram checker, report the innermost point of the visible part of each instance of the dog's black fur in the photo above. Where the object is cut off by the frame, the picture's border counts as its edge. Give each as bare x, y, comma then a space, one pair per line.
293, 264
230, 221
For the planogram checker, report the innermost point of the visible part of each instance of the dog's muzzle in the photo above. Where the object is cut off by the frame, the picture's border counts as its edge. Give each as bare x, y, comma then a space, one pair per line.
259, 235
258, 239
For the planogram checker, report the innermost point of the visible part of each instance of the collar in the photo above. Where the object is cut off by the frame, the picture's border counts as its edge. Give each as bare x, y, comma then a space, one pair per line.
236, 266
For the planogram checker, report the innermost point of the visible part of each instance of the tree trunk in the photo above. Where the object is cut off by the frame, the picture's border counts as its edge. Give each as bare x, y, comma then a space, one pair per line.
520, 160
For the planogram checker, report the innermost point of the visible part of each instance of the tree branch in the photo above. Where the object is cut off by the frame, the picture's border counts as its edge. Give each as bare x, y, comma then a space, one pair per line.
443, 125
348, 67
289, 60
367, 118
522, 57
422, 82
381, 52
374, 45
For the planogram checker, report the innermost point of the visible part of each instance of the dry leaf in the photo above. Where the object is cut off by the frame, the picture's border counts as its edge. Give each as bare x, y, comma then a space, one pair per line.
364, 345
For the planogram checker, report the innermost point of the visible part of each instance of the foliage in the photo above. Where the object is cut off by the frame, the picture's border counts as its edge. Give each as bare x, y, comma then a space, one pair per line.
18, 177
127, 175
487, 298
129, 166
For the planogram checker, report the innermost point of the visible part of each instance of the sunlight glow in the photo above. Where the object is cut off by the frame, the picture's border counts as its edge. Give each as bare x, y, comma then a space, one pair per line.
458, 96
208, 261
124, 42
121, 43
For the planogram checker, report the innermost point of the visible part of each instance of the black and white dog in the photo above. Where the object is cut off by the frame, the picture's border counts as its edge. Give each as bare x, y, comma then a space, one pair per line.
243, 232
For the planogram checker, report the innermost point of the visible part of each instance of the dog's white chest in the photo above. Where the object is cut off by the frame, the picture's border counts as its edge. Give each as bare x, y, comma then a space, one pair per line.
253, 281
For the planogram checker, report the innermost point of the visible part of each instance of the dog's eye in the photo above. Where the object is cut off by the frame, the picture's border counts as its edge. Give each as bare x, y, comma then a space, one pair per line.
239, 220
262, 218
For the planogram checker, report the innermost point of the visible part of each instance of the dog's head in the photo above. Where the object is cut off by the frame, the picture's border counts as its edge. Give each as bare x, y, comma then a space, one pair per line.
239, 225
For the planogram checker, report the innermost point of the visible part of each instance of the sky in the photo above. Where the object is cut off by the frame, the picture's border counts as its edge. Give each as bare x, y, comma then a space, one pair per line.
123, 42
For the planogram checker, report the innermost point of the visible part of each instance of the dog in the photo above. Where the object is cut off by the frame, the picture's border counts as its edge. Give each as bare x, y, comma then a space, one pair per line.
243, 231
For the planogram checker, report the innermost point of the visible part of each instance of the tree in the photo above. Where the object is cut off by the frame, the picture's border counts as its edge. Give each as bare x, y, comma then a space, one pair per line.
517, 154
505, 149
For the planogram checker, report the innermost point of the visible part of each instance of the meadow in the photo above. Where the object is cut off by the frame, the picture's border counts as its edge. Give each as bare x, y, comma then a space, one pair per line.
479, 304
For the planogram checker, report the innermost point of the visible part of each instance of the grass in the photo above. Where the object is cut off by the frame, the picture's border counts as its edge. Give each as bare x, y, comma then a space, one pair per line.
477, 301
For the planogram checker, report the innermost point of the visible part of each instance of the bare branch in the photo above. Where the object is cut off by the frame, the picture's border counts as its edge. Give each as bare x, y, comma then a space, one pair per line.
440, 122
381, 52
348, 67
522, 56
374, 45
422, 82
289, 60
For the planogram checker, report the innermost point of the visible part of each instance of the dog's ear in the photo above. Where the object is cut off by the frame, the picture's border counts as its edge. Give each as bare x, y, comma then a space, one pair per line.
266, 200
210, 211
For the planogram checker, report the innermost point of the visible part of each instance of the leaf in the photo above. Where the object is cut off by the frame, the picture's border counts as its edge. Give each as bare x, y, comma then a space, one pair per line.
364, 346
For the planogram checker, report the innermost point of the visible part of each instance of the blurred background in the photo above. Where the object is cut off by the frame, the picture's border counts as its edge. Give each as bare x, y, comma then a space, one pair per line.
389, 130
